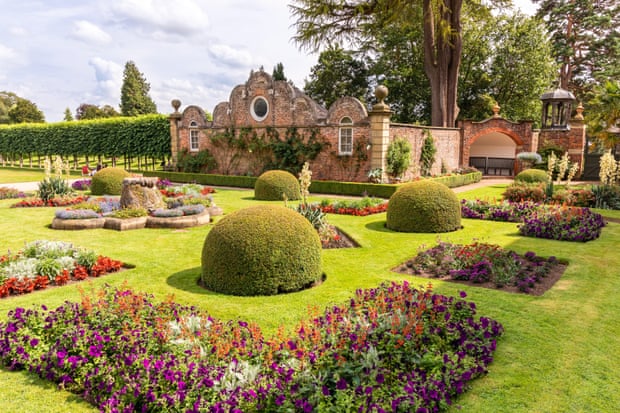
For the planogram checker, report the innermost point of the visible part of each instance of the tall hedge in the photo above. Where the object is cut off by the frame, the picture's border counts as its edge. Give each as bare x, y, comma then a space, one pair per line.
147, 135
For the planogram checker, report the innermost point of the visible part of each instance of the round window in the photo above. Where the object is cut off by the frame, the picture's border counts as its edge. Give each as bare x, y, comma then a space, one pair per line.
260, 108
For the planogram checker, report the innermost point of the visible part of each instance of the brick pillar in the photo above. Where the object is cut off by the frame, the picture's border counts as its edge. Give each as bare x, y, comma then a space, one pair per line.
380, 131
577, 140
175, 119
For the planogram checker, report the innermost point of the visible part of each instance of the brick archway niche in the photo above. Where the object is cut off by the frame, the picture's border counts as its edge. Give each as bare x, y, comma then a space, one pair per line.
492, 145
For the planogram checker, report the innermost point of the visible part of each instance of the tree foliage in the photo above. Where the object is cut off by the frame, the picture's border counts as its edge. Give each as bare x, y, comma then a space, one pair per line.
278, 72
427, 154
135, 99
399, 64
68, 117
586, 41
7, 100
507, 60
88, 111
337, 73
147, 135
603, 114
324, 22
25, 111
398, 157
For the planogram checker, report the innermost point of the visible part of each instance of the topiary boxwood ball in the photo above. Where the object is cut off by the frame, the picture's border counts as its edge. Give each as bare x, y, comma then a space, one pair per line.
424, 206
261, 250
273, 185
531, 176
108, 181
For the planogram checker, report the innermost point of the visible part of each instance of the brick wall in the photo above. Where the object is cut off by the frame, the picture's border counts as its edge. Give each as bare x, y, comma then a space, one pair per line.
288, 107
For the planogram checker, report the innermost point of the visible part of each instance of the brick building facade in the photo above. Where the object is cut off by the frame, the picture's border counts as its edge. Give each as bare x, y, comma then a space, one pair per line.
355, 140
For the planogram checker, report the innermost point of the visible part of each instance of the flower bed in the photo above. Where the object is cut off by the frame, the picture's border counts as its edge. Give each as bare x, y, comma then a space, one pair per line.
53, 202
82, 184
362, 207
538, 220
11, 193
44, 263
488, 265
193, 190
498, 211
563, 224
392, 348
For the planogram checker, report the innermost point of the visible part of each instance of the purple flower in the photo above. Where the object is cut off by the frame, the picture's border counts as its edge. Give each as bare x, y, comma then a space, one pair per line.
342, 384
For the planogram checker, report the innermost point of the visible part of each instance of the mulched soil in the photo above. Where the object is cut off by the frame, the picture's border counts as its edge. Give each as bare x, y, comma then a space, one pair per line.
539, 288
344, 241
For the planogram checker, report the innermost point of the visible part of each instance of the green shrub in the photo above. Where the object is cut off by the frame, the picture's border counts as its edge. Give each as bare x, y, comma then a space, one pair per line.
424, 206
531, 176
261, 250
520, 191
108, 181
275, 185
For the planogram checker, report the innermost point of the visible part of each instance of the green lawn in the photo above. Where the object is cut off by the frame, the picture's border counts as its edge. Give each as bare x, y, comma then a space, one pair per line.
559, 352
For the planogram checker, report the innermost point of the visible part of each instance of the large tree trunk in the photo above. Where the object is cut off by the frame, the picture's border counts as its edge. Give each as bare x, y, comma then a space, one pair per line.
442, 58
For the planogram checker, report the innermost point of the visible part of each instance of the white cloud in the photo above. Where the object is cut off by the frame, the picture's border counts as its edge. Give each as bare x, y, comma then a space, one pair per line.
18, 31
189, 92
109, 76
161, 17
6, 53
90, 33
230, 56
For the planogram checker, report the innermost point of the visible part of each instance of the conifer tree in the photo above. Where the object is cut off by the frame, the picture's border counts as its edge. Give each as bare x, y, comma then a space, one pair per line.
135, 99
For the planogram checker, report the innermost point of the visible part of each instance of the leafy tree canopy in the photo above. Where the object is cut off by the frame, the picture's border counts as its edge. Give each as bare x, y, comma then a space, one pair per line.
586, 41
338, 73
25, 111
14, 109
603, 114
88, 111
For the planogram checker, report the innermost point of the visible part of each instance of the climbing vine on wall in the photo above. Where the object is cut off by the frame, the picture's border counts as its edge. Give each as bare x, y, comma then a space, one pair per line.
292, 151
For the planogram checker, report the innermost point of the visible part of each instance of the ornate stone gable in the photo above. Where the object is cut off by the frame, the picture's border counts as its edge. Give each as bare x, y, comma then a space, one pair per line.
262, 102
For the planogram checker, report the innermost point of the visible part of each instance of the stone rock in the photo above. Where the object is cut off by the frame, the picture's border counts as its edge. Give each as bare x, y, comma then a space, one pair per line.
141, 192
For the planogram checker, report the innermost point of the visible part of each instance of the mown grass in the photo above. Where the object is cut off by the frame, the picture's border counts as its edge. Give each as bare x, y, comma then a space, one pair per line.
559, 352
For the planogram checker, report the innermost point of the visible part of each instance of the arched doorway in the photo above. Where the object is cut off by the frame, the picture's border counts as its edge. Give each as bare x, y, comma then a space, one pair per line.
493, 154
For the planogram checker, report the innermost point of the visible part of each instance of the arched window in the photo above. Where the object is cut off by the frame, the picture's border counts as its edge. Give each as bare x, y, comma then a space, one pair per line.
345, 136
193, 137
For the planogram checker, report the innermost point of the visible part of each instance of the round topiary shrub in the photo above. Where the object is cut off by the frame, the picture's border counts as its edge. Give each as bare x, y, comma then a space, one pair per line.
108, 181
261, 250
424, 206
531, 176
274, 185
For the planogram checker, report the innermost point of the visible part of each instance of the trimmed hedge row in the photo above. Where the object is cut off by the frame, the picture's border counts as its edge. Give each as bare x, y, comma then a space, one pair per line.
147, 135
204, 179
316, 187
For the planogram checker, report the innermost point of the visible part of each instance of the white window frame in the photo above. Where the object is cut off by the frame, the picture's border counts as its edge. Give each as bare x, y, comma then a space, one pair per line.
345, 136
194, 137
256, 116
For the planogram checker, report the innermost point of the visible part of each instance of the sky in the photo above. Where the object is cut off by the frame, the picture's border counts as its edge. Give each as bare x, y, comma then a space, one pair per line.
62, 53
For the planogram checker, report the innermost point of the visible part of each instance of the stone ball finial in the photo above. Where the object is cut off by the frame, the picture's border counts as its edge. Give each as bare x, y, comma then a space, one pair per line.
579, 110
496, 109
381, 93
176, 104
